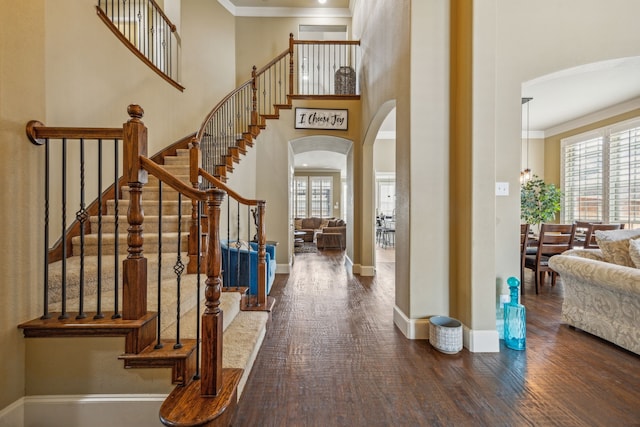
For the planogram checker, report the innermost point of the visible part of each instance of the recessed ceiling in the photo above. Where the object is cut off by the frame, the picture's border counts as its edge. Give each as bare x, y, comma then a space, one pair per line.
573, 93
288, 8
290, 3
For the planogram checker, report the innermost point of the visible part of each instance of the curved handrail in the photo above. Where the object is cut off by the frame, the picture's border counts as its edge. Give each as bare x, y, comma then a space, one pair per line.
154, 169
219, 184
224, 100
136, 51
272, 63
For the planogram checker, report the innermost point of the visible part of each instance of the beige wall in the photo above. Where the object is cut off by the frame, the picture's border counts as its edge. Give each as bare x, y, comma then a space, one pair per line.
22, 91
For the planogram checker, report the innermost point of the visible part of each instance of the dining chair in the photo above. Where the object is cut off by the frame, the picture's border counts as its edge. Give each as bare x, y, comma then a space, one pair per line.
582, 227
553, 240
590, 241
524, 242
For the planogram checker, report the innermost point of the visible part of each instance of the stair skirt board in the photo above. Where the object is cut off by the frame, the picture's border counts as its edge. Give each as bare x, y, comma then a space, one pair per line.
96, 410
51, 361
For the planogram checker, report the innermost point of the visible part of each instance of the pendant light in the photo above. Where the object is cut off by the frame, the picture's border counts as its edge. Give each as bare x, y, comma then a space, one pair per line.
525, 175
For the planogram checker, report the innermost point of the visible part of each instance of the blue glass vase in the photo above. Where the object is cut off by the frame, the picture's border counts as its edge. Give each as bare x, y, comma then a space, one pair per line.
515, 319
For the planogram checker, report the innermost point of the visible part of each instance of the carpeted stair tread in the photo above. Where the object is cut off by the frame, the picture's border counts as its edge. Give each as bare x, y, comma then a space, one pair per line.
242, 342
150, 224
150, 245
91, 273
150, 207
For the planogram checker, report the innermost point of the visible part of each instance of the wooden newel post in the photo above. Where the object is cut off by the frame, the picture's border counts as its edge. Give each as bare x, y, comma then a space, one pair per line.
290, 63
262, 254
211, 382
134, 300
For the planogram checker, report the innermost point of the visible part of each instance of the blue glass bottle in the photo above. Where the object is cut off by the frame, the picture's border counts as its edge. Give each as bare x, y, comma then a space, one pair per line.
515, 319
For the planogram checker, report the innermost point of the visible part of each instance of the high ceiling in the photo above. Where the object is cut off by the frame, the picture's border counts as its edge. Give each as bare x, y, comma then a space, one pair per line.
558, 98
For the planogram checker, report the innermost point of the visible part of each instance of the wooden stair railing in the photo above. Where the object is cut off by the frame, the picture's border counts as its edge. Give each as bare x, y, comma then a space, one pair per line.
147, 32
306, 70
216, 387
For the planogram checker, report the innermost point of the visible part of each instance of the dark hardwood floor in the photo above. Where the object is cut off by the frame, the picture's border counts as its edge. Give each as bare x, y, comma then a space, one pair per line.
333, 357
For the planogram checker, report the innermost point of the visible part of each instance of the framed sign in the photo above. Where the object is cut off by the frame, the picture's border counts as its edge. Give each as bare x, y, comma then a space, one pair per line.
320, 118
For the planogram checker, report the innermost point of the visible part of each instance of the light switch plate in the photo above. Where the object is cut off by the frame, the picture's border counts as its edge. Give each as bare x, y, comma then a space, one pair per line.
502, 188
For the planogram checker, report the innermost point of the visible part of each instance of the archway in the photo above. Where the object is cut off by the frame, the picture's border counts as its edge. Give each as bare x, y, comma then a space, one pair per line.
324, 157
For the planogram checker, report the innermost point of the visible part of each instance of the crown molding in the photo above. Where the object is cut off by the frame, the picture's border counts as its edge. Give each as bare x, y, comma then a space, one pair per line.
285, 12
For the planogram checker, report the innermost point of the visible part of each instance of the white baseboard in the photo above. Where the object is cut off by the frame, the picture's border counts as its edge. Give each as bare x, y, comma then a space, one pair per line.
364, 270
96, 410
414, 329
13, 415
283, 268
476, 341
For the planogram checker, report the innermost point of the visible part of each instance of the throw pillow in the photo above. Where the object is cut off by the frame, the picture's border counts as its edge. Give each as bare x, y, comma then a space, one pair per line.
324, 223
614, 245
332, 223
298, 223
634, 251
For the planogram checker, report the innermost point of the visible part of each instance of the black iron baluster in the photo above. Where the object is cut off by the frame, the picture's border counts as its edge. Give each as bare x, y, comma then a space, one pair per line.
116, 205
178, 270
81, 217
249, 250
159, 307
99, 314
47, 184
63, 314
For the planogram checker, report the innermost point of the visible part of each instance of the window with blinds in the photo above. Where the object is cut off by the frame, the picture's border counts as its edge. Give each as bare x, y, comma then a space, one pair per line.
313, 196
601, 175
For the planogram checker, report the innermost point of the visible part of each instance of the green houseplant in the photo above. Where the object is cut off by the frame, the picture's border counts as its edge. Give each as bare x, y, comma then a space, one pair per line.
539, 201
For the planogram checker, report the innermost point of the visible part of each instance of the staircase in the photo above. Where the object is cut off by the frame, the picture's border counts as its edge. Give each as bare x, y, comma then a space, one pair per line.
80, 287
137, 276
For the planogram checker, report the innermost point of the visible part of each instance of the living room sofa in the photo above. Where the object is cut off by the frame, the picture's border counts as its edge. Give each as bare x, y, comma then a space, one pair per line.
310, 226
602, 291
334, 235
246, 275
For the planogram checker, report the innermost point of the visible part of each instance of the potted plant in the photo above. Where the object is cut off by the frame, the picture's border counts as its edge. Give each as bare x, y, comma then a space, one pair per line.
539, 202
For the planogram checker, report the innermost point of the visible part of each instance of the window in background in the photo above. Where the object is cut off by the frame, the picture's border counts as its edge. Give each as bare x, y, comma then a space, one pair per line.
300, 197
321, 187
313, 196
386, 195
601, 175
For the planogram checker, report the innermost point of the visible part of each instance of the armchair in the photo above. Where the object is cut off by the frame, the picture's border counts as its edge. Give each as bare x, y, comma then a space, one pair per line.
245, 273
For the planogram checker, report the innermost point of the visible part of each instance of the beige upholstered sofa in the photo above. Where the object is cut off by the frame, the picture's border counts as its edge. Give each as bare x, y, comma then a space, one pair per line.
334, 235
310, 226
602, 289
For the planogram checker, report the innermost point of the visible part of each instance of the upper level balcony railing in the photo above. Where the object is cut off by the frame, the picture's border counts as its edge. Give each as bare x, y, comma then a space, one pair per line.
144, 28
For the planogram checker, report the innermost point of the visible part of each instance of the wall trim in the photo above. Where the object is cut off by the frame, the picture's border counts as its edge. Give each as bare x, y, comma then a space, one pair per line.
283, 268
414, 329
97, 410
363, 270
481, 341
476, 341
13, 415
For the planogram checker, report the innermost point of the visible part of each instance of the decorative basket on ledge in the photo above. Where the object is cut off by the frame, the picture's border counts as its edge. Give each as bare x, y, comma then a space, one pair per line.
345, 81
445, 334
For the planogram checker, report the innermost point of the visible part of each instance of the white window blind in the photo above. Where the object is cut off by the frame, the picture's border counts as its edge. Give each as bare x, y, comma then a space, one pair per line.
313, 196
624, 176
601, 175
583, 180
321, 196
300, 197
